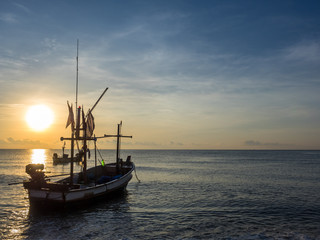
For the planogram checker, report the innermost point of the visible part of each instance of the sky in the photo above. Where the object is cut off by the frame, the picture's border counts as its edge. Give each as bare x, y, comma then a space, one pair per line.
183, 74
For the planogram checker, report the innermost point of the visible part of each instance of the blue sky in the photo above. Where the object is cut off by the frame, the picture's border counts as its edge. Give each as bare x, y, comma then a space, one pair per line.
182, 74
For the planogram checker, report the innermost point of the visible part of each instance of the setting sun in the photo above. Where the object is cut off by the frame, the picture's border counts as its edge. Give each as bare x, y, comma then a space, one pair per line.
39, 117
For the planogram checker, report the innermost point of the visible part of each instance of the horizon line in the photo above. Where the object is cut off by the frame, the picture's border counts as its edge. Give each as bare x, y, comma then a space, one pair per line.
177, 149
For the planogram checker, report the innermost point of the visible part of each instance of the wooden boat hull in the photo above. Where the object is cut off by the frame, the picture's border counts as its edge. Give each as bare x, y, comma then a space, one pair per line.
62, 196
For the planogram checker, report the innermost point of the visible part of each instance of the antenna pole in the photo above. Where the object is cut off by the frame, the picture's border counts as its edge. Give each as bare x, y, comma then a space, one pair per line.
77, 73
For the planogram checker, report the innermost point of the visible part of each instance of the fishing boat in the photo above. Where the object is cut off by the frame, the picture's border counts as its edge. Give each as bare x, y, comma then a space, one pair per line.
65, 159
102, 180
99, 181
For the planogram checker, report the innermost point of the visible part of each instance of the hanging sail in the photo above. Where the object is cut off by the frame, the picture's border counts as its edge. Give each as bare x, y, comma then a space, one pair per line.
90, 124
70, 117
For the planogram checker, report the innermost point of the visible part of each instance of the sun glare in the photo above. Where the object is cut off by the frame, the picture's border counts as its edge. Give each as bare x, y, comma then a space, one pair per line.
39, 117
38, 156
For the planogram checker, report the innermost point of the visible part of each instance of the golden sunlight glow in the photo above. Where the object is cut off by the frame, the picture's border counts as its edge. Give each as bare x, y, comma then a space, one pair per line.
38, 156
39, 117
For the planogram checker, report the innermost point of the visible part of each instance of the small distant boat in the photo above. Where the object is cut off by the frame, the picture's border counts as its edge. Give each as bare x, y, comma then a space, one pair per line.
103, 180
65, 159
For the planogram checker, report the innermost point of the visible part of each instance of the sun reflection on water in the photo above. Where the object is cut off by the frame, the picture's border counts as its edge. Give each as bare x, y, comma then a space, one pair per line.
38, 156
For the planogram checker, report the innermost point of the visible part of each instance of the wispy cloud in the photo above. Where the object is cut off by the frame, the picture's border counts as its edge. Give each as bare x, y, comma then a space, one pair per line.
22, 7
8, 17
50, 43
308, 51
21, 143
173, 143
253, 143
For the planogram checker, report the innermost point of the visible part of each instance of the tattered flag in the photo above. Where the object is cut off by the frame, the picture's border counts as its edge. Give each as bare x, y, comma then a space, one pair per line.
70, 117
90, 124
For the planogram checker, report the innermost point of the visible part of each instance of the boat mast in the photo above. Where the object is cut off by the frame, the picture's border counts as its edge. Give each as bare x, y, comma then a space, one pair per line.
77, 74
72, 153
85, 147
118, 136
118, 147
95, 160
72, 129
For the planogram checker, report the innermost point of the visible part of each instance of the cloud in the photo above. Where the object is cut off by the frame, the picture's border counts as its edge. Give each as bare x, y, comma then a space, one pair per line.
21, 143
147, 144
50, 43
8, 18
176, 143
105, 143
304, 51
254, 143
22, 7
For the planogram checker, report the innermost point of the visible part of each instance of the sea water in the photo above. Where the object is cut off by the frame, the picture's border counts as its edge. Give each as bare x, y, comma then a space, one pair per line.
183, 194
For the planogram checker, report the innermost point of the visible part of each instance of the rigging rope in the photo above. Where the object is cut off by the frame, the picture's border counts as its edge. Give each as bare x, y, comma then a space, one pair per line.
100, 156
135, 173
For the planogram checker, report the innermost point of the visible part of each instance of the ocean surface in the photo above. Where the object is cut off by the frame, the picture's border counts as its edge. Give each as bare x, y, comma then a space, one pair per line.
183, 194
